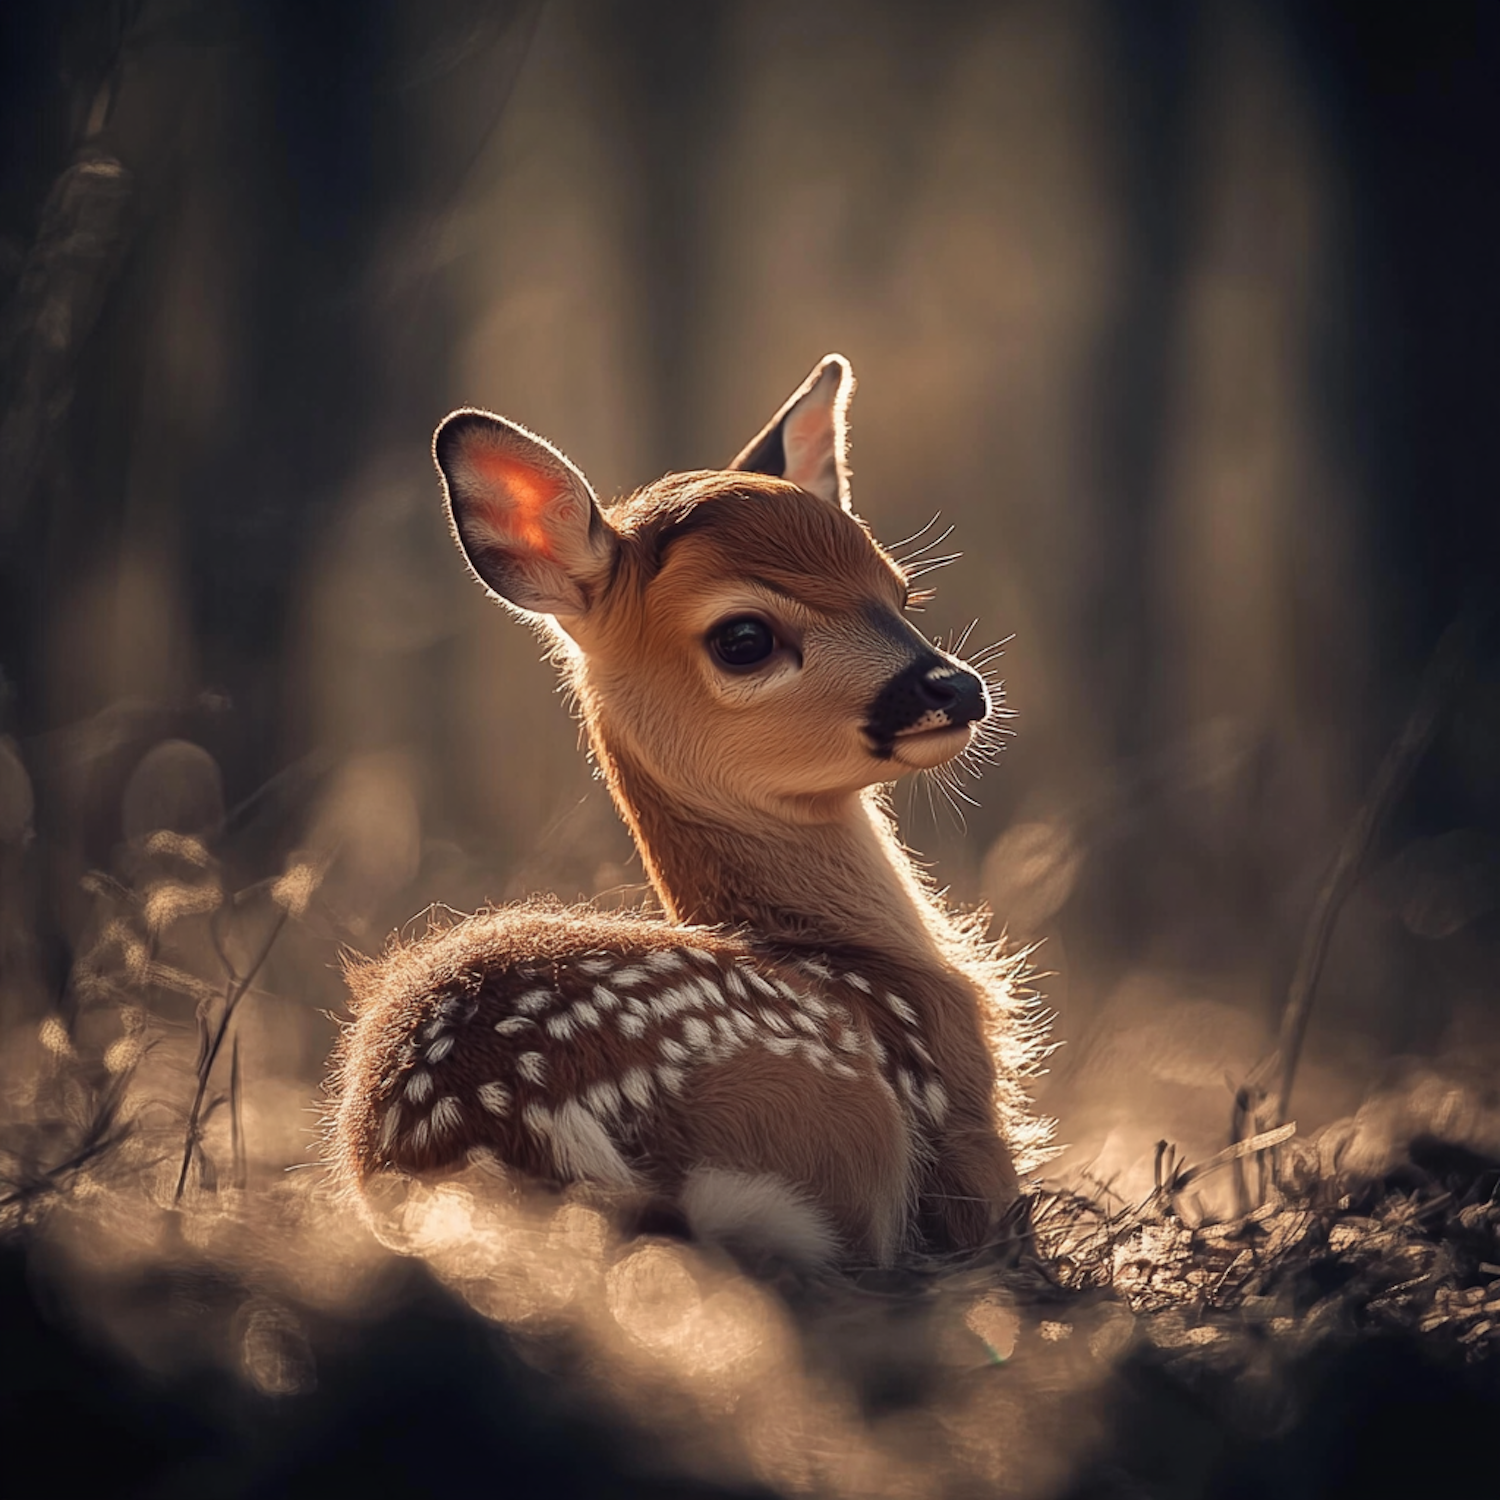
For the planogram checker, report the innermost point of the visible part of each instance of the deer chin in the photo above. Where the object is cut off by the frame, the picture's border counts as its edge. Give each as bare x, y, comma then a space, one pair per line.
927, 749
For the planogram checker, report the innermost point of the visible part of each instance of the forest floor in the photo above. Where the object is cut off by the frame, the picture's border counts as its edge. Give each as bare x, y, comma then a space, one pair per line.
1343, 1336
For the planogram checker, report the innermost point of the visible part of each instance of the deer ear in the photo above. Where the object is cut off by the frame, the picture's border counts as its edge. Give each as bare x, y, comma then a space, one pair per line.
807, 440
524, 517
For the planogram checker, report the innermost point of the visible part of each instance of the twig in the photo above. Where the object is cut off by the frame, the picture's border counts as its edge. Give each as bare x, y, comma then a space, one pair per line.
233, 994
236, 1122
1267, 1140
102, 1135
1441, 681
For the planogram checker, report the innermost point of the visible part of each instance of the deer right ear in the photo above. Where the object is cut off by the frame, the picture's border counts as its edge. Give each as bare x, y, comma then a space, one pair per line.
525, 518
807, 441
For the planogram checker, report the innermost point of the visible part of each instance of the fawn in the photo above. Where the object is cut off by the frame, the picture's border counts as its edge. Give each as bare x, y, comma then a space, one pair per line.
809, 1054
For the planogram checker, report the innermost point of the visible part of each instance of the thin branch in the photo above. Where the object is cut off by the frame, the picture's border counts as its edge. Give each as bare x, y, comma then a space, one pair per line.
236, 1116
233, 994
103, 1134
1441, 682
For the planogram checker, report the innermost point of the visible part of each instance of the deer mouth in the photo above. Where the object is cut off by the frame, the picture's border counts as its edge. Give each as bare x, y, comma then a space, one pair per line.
923, 747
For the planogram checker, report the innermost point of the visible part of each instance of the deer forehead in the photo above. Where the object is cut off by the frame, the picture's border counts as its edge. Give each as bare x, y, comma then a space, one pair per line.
787, 552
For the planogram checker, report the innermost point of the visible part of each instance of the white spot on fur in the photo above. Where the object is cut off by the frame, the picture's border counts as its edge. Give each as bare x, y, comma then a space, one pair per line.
858, 981
761, 983
816, 968
921, 1052
786, 991
532, 1066
389, 1126
695, 1033
440, 1049
671, 1079
417, 1140
538, 1118
514, 1025
447, 1114
674, 1051
637, 1087
605, 999
843, 1069
908, 1085
419, 1087
533, 1002
667, 1004
603, 1098
668, 961
688, 995
595, 967
581, 1148
877, 1050
734, 982
743, 1021
495, 1097
560, 1026
758, 1214
632, 1025
804, 1023
700, 955
937, 1101
772, 1022
901, 1008
707, 992
633, 974
848, 1040
782, 1046
586, 1014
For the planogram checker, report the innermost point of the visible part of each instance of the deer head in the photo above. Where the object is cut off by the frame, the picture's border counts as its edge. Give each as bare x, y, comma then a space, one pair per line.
737, 636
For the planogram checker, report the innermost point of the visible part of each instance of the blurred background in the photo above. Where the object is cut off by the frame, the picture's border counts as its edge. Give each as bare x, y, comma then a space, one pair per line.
1185, 316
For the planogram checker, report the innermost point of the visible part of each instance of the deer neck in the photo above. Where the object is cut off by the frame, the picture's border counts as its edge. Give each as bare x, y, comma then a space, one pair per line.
838, 878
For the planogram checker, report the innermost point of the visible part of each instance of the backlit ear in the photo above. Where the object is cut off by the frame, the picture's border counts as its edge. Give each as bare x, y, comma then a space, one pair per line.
525, 518
807, 440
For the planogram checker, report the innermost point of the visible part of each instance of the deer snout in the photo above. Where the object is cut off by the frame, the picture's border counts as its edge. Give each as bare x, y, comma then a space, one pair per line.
955, 692
933, 693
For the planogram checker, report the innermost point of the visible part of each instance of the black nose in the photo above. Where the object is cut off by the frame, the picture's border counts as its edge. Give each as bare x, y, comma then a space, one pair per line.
929, 694
957, 693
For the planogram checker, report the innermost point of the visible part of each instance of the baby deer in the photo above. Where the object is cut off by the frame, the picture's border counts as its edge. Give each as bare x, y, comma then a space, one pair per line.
809, 1054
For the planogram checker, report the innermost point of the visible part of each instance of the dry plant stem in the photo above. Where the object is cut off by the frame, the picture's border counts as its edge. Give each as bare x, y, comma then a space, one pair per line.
1441, 681
236, 1118
104, 1133
236, 991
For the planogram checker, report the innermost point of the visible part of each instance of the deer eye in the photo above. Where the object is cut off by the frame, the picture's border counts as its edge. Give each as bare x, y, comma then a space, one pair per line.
742, 643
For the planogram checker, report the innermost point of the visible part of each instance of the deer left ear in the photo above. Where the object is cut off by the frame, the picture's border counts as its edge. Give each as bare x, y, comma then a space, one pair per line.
807, 441
525, 518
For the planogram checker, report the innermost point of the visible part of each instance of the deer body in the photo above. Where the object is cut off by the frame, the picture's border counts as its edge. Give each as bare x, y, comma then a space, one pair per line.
809, 1053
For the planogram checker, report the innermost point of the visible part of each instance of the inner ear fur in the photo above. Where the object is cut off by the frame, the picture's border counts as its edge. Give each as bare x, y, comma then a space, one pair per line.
525, 518
807, 441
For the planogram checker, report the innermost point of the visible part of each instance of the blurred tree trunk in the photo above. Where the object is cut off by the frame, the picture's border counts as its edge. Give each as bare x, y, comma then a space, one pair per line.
230, 291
